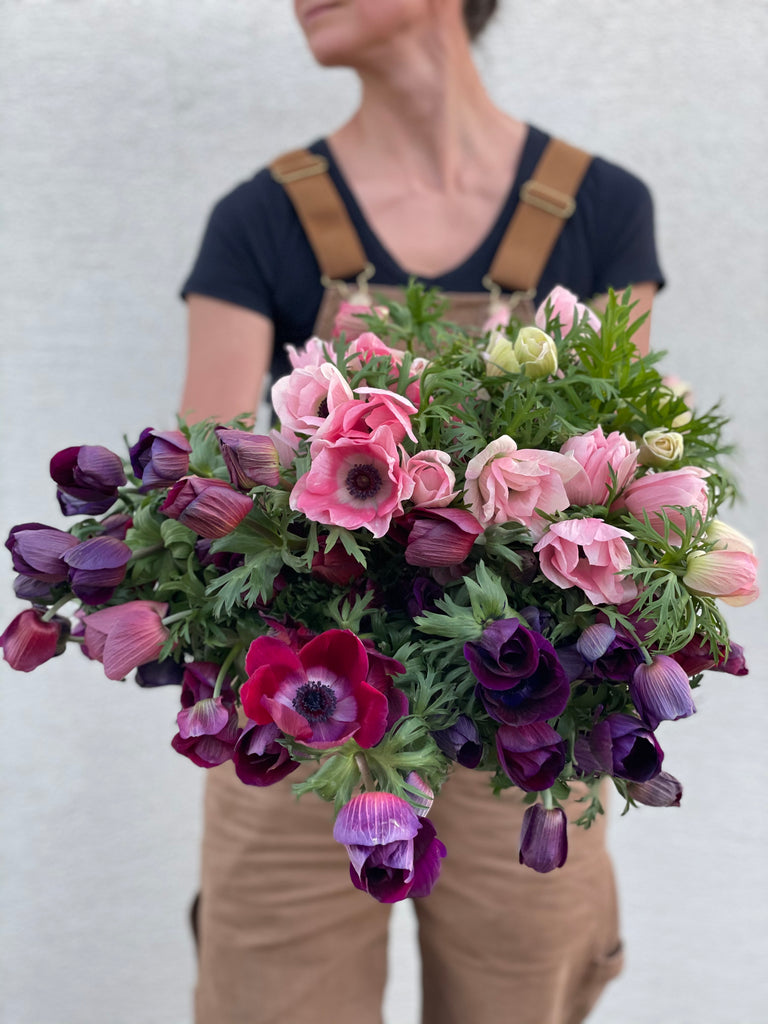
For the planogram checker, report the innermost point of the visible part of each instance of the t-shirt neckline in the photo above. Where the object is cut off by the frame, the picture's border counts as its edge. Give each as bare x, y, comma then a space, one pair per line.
383, 260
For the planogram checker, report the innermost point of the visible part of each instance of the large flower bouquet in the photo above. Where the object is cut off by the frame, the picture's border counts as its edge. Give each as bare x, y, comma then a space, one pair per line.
501, 551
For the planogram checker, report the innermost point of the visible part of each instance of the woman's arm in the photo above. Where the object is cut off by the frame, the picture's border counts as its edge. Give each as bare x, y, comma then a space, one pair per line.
643, 294
229, 352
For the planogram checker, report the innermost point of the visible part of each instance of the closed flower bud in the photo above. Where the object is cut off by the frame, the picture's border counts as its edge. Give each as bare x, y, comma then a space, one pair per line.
208, 506
729, 575
661, 448
160, 457
88, 477
595, 641
96, 567
38, 551
544, 838
500, 356
536, 352
727, 538
29, 642
662, 791
250, 458
661, 691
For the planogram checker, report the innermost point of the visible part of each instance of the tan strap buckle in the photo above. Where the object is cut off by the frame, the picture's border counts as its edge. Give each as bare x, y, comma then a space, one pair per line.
548, 199
319, 165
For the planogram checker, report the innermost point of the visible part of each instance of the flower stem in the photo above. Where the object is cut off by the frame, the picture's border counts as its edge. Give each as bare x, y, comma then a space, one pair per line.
55, 607
177, 616
365, 773
223, 670
547, 799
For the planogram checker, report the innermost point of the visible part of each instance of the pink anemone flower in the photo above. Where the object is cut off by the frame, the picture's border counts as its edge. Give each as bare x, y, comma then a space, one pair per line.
319, 694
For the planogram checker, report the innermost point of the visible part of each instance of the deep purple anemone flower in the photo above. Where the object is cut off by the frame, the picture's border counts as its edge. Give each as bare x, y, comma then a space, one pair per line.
29, 642
88, 476
661, 691
206, 505
160, 457
520, 677
461, 742
620, 745
208, 727
38, 551
96, 567
531, 755
663, 790
611, 655
250, 458
544, 838
393, 853
259, 759
319, 694
159, 673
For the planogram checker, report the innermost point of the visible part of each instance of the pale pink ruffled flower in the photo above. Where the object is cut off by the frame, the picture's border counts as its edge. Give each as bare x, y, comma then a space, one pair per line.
659, 491
505, 483
313, 352
359, 417
304, 398
566, 308
433, 478
354, 482
598, 455
348, 322
589, 554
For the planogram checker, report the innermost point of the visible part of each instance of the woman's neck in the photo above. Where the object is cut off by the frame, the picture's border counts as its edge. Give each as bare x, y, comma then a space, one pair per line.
425, 112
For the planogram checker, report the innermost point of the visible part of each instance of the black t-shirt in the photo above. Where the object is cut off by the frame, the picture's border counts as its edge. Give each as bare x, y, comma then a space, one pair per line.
255, 254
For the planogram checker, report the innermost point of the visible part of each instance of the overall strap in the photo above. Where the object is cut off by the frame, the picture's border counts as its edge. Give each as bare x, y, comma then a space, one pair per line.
547, 200
319, 207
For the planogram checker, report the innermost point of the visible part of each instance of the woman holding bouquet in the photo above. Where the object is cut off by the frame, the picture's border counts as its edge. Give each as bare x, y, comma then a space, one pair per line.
428, 179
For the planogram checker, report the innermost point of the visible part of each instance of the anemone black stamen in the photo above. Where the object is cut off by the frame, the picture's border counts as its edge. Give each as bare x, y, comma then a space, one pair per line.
363, 481
315, 701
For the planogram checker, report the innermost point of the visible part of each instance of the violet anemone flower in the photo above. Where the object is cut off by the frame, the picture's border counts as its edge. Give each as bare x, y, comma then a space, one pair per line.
521, 679
28, 641
319, 695
661, 691
620, 745
611, 655
208, 727
393, 853
160, 457
461, 742
38, 551
259, 759
159, 673
531, 755
88, 477
544, 838
96, 567
663, 790
206, 505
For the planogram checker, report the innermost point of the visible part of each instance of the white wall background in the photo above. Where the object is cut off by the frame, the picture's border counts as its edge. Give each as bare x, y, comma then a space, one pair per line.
121, 123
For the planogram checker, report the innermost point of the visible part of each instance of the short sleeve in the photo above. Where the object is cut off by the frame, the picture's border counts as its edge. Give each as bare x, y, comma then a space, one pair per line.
236, 261
625, 239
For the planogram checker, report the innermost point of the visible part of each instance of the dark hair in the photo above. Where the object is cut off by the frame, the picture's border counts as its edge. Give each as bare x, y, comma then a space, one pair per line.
477, 14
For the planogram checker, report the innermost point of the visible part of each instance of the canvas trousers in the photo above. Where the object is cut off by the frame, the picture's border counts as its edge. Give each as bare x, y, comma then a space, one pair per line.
284, 937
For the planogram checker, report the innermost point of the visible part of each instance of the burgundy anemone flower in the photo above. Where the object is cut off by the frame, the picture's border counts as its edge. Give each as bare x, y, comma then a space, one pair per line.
259, 759
319, 695
393, 853
208, 727
521, 679
611, 654
697, 656
29, 642
544, 838
531, 755
381, 670
88, 476
206, 505
335, 566
439, 536
160, 457
250, 458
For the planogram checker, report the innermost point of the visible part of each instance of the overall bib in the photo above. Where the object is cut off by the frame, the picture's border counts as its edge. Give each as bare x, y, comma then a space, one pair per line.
284, 937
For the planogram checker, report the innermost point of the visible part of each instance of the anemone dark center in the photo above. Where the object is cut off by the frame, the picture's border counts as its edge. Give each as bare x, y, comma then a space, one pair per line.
315, 701
363, 481
322, 409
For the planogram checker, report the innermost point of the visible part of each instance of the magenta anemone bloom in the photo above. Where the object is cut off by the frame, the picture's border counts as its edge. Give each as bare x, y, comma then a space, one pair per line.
88, 476
393, 853
125, 636
259, 759
544, 838
160, 457
29, 642
531, 755
319, 695
208, 727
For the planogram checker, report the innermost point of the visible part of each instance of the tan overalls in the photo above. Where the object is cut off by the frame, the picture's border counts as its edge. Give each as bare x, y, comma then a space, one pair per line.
284, 936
